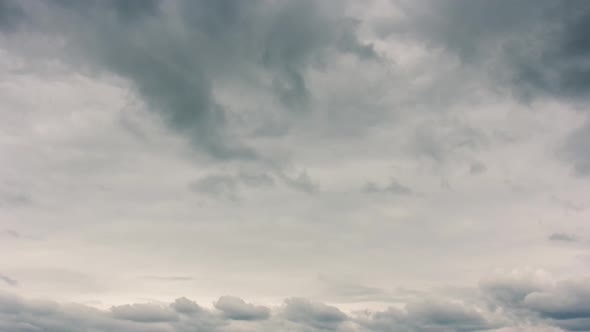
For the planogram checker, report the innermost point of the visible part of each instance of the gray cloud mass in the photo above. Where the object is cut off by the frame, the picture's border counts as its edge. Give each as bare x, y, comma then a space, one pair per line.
429, 159
158, 47
563, 304
537, 49
236, 308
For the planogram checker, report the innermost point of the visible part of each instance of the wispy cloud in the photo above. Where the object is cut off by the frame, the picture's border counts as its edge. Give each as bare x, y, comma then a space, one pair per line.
563, 237
8, 280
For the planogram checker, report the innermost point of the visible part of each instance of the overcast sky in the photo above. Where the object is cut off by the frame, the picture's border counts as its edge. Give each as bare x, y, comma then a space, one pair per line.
275, 165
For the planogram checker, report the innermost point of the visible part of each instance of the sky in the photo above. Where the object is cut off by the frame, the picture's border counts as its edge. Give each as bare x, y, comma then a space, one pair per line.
294, 165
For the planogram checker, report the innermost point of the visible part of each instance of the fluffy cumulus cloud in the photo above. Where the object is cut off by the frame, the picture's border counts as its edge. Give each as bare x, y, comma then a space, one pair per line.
329, 165
558, 306
566, 304
236, 308
317, 315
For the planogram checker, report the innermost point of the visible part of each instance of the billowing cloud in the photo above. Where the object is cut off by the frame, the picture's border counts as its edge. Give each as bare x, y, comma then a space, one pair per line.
185, 306
178, 56
313, 314
511, 289
532, 293
542, 44
565, 301
555, 306
533, 49
238, 309
430, 316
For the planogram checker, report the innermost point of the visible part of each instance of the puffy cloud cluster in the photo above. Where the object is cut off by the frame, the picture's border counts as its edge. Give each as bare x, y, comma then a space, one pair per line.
539, 46
524, 300
224, 73
236, 308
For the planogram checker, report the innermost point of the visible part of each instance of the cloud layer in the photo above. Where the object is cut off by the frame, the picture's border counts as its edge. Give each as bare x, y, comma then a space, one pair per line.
525, 300
178, 55
328, 166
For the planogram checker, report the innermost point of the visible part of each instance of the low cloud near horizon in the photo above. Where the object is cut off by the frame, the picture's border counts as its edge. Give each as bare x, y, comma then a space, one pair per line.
524, 300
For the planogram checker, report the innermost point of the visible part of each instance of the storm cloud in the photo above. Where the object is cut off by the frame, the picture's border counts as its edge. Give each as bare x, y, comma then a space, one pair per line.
530, 49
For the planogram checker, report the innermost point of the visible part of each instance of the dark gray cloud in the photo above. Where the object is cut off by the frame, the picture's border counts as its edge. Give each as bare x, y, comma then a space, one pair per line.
567, 304
429, 315
185, 306
20, 315
313, 314
542, 44
531, 49
564, 304
236, 308
177, 54
434, 315
124, 10
510, 291
567, 300
11, 15
562, 237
